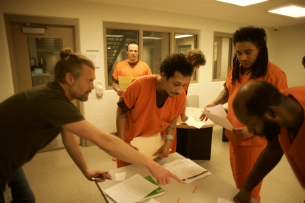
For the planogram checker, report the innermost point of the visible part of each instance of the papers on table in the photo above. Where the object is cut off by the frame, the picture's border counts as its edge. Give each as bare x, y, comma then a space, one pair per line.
124, 82
131, 190
120, 176
218, 115
148, 145
187, 170
191, 122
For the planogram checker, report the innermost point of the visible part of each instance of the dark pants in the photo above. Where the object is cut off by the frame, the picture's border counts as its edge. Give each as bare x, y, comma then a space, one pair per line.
21, 190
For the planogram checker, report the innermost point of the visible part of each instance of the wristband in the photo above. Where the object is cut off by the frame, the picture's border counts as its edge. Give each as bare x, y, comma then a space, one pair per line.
170, 137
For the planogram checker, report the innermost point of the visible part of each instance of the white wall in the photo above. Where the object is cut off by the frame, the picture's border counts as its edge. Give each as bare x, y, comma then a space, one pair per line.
286, 49
101, 112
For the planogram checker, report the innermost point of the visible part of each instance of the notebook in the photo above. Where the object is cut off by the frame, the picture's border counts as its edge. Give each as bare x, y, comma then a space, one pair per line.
157, 192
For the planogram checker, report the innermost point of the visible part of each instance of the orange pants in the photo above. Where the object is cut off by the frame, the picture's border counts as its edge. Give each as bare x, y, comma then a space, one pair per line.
121, 163
242, 160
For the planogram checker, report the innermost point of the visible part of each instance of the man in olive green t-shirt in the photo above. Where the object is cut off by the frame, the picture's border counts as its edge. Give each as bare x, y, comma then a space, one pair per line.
31, 119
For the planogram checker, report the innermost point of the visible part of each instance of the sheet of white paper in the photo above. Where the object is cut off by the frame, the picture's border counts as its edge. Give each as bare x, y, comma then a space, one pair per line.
218, 110
218, 115
220, 200
120, 176
131, 190
152, 200
224, 122
187, 169
148, 145
191, 122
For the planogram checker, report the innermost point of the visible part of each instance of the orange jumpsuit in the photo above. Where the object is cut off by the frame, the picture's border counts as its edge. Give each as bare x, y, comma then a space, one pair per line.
244, 152
295, 151
123, 69
144, 117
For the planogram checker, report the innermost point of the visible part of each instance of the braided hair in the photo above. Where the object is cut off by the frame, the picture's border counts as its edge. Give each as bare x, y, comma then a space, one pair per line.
257, 36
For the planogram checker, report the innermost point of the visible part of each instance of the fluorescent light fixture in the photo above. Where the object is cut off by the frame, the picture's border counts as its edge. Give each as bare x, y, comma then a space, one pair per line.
151, 38
114, 35
182, 36
242, 2
291, 11
33, 30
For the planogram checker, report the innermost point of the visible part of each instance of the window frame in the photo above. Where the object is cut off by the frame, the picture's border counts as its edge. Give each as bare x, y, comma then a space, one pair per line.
141, 28
232, 53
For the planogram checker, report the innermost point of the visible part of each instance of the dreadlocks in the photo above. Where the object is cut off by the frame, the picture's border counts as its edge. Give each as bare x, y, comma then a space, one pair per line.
258, 37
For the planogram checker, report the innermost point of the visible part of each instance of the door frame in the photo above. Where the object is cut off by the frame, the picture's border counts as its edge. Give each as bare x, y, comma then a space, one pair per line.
38, 21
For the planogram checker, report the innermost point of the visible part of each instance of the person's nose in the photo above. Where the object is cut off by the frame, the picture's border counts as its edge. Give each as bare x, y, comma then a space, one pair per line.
91, 86
242, 57
179, 90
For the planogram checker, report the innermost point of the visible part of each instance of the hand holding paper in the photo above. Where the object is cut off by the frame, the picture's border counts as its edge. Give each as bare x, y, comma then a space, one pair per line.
218, 115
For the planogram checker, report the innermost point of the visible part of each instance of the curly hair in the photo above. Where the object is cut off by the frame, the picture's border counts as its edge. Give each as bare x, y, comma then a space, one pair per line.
258, 37
176, 62
197, 56
69, 62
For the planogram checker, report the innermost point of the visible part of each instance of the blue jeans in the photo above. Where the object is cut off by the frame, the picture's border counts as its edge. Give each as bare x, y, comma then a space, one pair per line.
21, 190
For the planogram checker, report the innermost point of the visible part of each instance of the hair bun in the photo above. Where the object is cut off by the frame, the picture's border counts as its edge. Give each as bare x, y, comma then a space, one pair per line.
65, 52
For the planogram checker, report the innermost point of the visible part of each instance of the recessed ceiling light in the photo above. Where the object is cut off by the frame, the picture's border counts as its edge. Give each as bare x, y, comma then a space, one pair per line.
291, 11
182, 36
151, 37
242, 2
114, 35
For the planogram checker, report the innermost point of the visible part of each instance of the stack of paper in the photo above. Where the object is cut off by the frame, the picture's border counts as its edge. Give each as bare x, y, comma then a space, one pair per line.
157, 192
191, 122
187, 170
131, 190
148, 145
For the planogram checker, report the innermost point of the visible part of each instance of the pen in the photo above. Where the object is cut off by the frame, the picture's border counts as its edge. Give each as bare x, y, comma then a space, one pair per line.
195, 189
185, 179
99, 176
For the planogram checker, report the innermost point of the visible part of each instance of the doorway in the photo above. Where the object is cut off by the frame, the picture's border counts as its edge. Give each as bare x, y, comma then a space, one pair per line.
34, 46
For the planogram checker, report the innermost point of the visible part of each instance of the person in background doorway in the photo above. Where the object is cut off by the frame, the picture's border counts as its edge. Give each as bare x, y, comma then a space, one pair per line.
250, 64
131, 67
279, 117
197, 59
151, 104
31, 119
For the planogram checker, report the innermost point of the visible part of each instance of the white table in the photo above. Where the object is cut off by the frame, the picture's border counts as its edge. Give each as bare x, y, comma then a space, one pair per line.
209, 188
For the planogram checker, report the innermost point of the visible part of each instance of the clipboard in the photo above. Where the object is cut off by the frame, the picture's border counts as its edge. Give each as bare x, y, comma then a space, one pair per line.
124, 82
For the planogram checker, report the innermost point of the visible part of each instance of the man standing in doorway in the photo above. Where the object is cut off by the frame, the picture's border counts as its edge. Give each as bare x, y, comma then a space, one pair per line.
250, 64
131, 67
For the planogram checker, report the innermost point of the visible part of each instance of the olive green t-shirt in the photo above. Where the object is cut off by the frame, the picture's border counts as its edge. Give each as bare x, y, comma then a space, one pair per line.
30, 120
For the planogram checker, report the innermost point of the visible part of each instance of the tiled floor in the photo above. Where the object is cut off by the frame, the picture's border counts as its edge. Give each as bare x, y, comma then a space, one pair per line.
54, 177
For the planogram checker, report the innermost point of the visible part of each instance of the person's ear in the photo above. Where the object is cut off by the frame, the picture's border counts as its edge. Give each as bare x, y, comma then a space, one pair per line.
163, 76
69, 78
271, 113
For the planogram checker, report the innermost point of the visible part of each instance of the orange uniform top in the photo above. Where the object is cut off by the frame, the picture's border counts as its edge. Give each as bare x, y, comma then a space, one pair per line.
295, 151
144, 117
123, 69
275, 76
